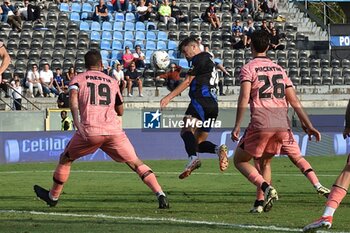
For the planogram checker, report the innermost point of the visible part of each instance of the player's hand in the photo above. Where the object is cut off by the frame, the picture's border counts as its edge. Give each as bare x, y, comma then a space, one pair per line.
81, 131
164, 102
235, 133
313, 132
346, 133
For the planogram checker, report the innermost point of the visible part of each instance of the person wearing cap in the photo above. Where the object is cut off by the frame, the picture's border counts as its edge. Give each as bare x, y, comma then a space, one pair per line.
177, 14
127, 57
46, 79
211, 17
139, 57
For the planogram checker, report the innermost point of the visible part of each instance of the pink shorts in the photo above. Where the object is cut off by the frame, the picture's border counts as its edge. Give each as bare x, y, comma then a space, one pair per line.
117, 146
257, 141
290, 148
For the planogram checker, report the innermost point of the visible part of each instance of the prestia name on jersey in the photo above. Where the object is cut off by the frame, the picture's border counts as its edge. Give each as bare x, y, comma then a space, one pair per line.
267, 68
98, 78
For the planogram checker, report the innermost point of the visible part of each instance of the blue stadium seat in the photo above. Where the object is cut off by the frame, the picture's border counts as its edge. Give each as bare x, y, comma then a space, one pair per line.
128, 43
130, 17
140, 35
140, 26
84, 16
64, 7
95, 26
76, 7
109, 7
148, 55
119, 17
84, 26
105, 44
162, 36
183, 63
105, 63
117, 45
172, 45
129, 26
95, 35
87, 8
117, 55
151, 35
140, 43
118, 35
172, 54
74, 16
107, 26
161, 45
150, 45
104, 54
129, 35
118, 26
106, 35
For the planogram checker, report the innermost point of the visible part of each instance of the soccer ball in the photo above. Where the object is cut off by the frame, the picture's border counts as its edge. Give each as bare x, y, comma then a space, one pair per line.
160, 60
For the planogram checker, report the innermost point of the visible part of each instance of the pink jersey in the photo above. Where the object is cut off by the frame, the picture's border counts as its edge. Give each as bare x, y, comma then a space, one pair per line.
268, 105
98, 94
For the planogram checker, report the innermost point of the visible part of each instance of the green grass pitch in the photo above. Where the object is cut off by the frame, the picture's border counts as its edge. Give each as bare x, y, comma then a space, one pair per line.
108, 197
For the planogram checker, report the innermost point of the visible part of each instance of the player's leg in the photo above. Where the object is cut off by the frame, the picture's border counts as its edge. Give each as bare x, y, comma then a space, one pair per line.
119, 148
76, 148
337, 194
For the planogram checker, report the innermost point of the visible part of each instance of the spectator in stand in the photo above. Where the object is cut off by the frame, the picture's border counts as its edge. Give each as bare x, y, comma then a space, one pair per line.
33, 80
177, 14
210, 16
237, 42
264, 26
30, 12
200, 45
69, 75
139, 57
252, 6
237, 31
17, 95
272, 7
275, 41
237, 26
172, 77
118, 74
46, 80
120, 5
63, 98
133, 78
239, 7
9, 16
164, 12
262, 6
58, 82
143, 11
101, 12
127, 57
248, 31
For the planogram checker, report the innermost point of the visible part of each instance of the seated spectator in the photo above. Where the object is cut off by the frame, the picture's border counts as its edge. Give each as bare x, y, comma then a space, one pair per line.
127, 57
3, 85
262, 6
139, 57
143, 11
237, 26
69, 75
118, 74
133, 78
275, 41
58, 82
30, 12
248, 31
239, 7
210, 16
172, 77
264, 26
9, 16
177, 14
63, 98
17, 95
101, 12
237, 30
33, 80
237, 42
252, 6
120, 5
164, 12
46, 80
272, 7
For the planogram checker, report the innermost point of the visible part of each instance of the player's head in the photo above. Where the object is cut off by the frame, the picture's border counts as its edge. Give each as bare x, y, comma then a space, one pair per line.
93, 60
189, 47
63, 114
260, 41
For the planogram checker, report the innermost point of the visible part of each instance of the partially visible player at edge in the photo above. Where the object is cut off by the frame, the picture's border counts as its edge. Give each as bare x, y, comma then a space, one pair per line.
339, 189
202, 80
268, 90
97, 99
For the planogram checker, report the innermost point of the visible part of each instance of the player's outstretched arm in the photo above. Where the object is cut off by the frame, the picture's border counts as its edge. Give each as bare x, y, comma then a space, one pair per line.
242, 105
180, 88
304, 118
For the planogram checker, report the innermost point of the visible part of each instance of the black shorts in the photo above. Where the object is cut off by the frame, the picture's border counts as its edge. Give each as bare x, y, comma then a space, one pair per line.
203, 109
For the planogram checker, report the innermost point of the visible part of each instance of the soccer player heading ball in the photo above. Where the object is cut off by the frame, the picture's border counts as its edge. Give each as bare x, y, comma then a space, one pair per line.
203, 108
97, 99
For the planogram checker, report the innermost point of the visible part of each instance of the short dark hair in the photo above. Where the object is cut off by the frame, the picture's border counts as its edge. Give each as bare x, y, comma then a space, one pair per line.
260, 40
187, 41
92, 58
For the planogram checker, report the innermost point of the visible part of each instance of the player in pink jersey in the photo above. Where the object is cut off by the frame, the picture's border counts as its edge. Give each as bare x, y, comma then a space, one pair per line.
268, 90
339, 189
97, 99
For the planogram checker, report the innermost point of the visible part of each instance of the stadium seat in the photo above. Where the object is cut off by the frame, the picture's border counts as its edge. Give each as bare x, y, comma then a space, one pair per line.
128, 43
60, 35
292, 63
292, 54
183, 63
226, 17
205, 26
303, 54
226, 26
217, 54
34, 54
130, 17
107, 26
83, 35
87, 7
129, 26
69, 54
118, 26
225, 7
303, 62
129, 35
151, 26
172, 54
84, 26
22, 55
195, 34
172, 45
105, 54
324, 63
228, 54
239, 62
118, 35
162, 26
67, 63
56, 63
21, 64
72, 34
336, 72
140, 35
162, 36
172, 26
59, 44
106, 35
338, 80
117, 55
51, 16
183, 26
95, 35
94, 45
151, 35
95, 26
64, 7
161, 45
140, 26
119, 17
216, 44
117, 45
281, 54
226, 45
23, 44
314, 63
150, 45
82, 44
345, 63
228, 63
172, 35
335, 63
35, 44
282, 62
140, 43
12, 44
74, 16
